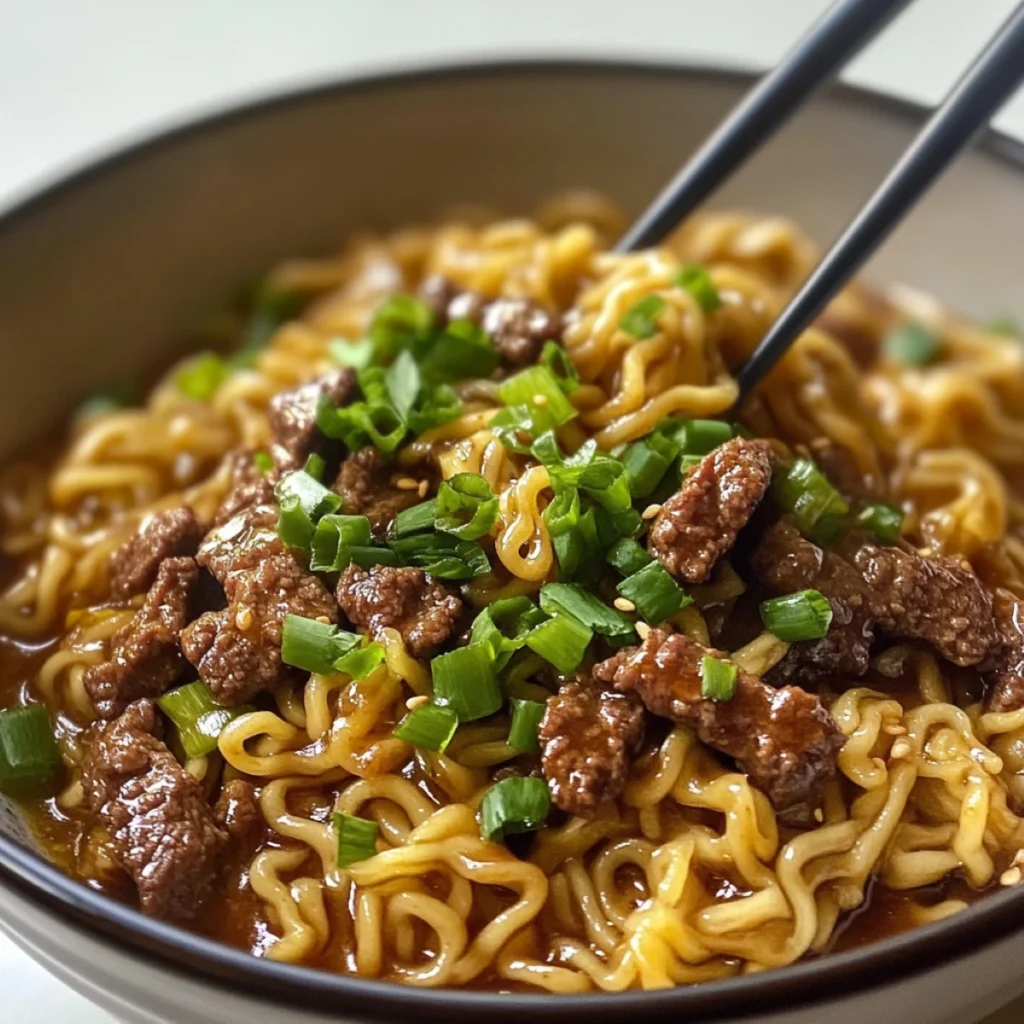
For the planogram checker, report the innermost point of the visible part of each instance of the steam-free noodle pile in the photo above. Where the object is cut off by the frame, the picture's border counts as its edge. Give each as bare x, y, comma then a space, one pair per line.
688, 873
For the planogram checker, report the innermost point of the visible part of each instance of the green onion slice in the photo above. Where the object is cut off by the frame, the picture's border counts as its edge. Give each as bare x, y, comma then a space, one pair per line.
883, 520
200, 376
573, 600
357, 839
198, 717
466, 681
504, 626
655, 593
697, 281
315, 499
428, 727
538, 391
522, 731
294, 526
817, 507
717, 679
403, 383
360, 662
415, 520
627, 556
315, 467
436, 404
805, 615
699, 437
357, 354
463, 351
513, 805
400, 322
315, 646
562, 641
333, 538
29, 754
263, 462
563, 369
911, 344
442, 555
641, 319
467, 507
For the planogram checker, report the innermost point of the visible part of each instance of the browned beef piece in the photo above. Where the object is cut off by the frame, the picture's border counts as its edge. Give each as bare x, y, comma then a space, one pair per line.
145, 654
844, 472
587, 737
292, 414
699, 523
163, 830
237, 651
784, 740
247, 485
406, 599
134, 565
237, 811
517, 327
938, 600
366, 490
785, 562
1005, 678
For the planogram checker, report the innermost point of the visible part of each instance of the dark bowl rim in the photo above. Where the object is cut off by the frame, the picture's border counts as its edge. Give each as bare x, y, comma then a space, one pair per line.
68, 902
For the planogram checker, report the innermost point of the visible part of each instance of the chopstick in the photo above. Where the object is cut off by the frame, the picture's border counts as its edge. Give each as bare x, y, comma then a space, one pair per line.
843, 30
982, 90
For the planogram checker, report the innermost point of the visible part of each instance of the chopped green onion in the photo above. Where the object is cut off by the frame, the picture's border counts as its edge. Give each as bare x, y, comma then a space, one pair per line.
357, 354
531, 384
435, 405
315, 467
315, 499
700, 437
697, 281
263, 462
817, 507
504, 626
522, 730
403, 383
514, 805
572, 600
564, 471
465, 680
656, 595
647, 461
606, 482
199, 377
562, 368
28, 751
911, 344
883, 520
467, 507
294, 526
360, 662
442, 555
428, 727
1006, 326
463, 351
416, 519
400, 322
357, 839
516, 426
332, 538
717, 679
641, 319
314, 646
627, 556
360, 424
805, 615
198, 717
562, 641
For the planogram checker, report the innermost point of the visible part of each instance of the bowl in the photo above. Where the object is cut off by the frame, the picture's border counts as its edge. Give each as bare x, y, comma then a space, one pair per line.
103, 273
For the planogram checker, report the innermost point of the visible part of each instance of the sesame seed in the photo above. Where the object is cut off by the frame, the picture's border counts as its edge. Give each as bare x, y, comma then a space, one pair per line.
650, 512
423, 488
901, 748
323, 618
243, 618
416, 702
624, 604
643, 629
819, 814
406, 483
540, 399
1011, 876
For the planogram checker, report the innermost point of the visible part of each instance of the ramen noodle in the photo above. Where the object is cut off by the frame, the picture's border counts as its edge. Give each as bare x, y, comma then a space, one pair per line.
515, 655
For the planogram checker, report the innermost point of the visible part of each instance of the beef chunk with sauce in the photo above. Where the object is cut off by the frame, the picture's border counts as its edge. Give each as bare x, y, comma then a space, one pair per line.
406, 599
1005, 675
587, 737
517, 327
237, 651
163, 831
292, 414
247, 485
783, 739
237, 811
366, 490
134, 565
699, 523
145, 654
938, 600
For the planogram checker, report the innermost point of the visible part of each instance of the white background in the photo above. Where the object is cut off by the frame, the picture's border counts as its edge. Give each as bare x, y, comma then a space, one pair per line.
81, 77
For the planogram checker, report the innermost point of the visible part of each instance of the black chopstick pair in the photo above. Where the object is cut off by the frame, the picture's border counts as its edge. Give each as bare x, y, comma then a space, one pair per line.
845, 28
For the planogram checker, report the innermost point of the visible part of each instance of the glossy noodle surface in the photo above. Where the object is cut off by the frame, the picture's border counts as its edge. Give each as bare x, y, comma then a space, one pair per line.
653, 779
